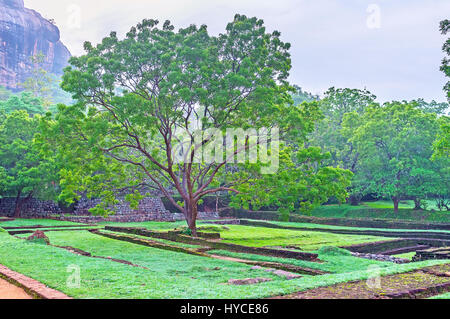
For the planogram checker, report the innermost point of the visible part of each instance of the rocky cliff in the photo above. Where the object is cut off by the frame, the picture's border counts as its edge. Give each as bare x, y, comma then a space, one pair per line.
23, 34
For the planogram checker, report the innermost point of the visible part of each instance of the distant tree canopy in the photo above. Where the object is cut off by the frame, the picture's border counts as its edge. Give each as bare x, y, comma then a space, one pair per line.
23, 170
329, 133
4, 93
442, 143
45, 85
394, 142
439, 108
299, 96
25, 101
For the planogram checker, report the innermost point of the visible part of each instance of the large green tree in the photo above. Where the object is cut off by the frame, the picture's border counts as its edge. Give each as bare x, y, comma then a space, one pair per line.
330, 136
24, 172
394, 142
143, 100
25, 101
442, 143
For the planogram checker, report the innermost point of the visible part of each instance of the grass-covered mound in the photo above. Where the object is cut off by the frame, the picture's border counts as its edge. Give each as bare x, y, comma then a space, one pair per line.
303, 240
381, 210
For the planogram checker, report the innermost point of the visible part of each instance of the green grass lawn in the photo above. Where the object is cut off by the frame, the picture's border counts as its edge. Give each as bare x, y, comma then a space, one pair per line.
443, 296
170, 274
404, 204
381, 210
304, 240
335, 260
35, 222
325, 227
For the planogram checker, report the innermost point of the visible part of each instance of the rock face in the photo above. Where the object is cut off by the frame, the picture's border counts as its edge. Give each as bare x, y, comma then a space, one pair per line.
23, 34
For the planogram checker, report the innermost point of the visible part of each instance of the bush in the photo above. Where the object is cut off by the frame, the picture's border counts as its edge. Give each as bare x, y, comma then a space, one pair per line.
213, 228
2, 230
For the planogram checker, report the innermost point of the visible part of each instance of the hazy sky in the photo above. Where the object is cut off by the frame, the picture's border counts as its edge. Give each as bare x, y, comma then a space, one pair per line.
391, 47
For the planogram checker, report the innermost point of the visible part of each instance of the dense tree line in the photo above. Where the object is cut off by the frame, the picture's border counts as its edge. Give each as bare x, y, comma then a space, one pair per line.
140, 100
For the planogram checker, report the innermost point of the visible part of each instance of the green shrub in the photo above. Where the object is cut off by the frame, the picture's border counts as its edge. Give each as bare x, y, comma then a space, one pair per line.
2, 230
213, 228
186, 231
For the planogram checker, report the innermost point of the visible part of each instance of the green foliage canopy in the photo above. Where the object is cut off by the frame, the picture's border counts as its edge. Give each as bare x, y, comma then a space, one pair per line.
394, 142
22, 168
140, 98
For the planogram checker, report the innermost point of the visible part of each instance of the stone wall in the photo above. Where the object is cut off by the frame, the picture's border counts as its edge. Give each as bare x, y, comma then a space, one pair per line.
143, 217
150, 209
33, 208
147, 205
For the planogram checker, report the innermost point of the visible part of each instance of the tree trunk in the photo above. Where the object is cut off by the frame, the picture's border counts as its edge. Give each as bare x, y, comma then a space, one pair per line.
396, 201
20, 202
191, 217
17, 206
354, 200
217, 203
417, 203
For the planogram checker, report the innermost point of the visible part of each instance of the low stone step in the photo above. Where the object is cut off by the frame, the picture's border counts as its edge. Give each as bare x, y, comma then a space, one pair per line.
404, 250
434, 253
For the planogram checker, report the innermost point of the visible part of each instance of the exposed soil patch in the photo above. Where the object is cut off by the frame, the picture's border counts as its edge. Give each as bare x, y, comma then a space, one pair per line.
9, 291
440, 270
38, 235
279, 273
87, 254
417, 284
247, 281
33, 287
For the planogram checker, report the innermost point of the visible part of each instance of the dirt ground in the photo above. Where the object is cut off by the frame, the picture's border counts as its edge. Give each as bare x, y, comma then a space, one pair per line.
374, 290
9, 291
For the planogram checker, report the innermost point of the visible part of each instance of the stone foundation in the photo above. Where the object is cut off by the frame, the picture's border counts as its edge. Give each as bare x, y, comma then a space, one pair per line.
143, 217
152, 205
434, 253
34, 208
150, 209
